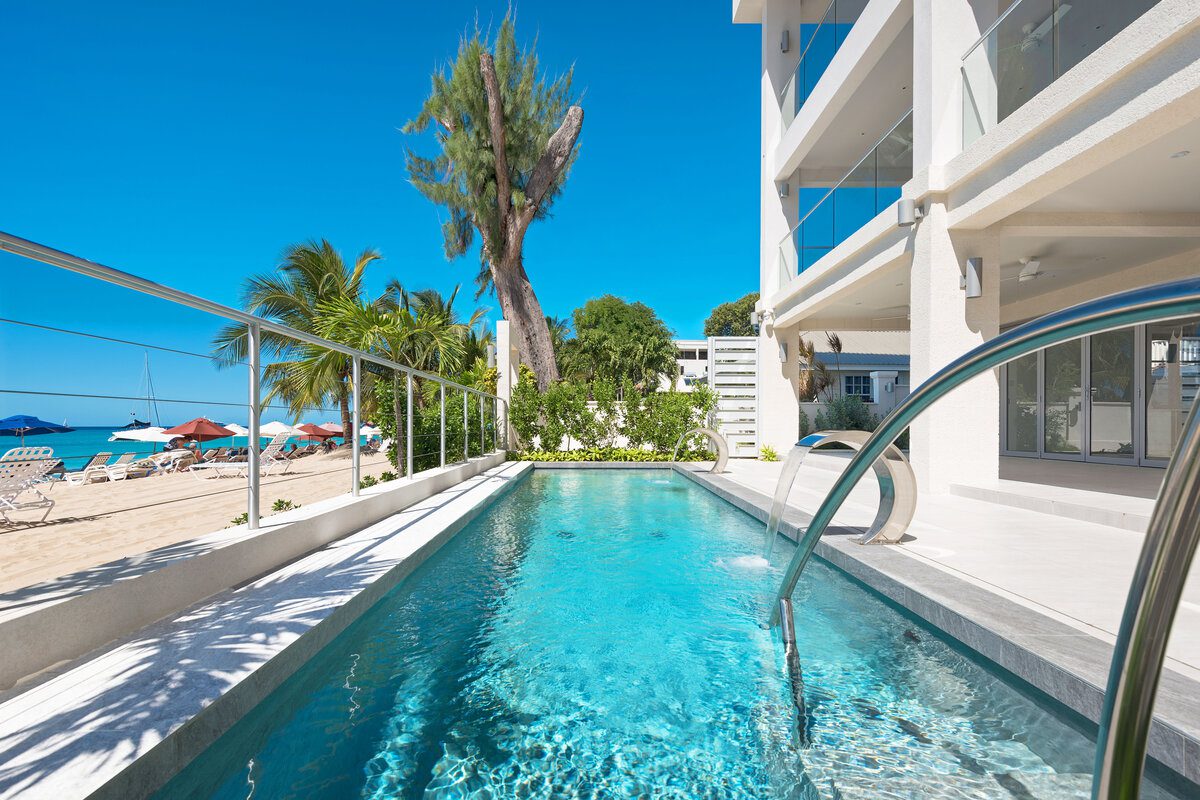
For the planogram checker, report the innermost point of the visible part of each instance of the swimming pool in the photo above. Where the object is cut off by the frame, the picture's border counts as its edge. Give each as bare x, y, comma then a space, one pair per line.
598, 633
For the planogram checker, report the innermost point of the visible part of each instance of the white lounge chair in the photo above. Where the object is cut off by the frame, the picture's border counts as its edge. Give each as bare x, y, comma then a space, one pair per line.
125, 467
20, 470
272, 460
92, 472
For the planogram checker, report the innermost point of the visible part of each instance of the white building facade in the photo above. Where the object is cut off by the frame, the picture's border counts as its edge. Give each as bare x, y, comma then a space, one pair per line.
1051, 149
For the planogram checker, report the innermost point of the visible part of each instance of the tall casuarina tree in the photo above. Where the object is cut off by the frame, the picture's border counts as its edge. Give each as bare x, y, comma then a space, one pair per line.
508, 136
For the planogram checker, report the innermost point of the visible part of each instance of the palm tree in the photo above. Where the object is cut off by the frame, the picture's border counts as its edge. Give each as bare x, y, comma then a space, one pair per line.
422, 334
310, 274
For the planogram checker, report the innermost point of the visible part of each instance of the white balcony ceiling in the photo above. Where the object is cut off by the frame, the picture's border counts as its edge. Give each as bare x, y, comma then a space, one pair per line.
1146, 180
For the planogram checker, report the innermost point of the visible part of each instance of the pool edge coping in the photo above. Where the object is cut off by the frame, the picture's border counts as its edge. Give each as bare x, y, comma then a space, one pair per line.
148, 771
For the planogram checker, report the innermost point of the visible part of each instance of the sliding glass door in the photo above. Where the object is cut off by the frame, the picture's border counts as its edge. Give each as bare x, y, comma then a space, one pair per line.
1120, 397
1172, 381
1062, 404
1113, 396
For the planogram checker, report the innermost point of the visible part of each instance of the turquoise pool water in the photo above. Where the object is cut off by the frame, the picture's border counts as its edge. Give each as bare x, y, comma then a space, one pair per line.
595, 634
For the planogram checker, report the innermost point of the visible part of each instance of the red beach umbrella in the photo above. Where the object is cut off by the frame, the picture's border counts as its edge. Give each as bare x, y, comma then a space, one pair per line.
315, 432
200, 430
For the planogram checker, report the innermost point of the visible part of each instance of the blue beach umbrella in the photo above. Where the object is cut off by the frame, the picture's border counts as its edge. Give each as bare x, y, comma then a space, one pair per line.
24, 425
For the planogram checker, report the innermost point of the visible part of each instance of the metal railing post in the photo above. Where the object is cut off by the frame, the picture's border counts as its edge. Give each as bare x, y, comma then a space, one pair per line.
408, 427
482, 427
466, 428
495, 424
355, 446
442, 423
254, 337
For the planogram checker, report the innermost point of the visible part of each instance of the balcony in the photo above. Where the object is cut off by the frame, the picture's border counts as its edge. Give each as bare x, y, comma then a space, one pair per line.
818, 43
830, 215
1029, 47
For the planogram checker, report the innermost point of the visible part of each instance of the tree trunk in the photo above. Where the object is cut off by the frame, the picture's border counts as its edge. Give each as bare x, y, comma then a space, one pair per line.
523, 311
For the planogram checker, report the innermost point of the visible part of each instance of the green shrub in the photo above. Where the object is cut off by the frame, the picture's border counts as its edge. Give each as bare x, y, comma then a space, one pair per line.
610, 454
367, 482
805, 427
284, 505
526, 407
240, 519
387, 476
846, 413
562, 414
767, 453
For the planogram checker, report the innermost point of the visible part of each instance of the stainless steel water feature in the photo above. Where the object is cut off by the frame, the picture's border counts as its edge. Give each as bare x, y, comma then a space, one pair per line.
714, 437
1167, 551
897, 488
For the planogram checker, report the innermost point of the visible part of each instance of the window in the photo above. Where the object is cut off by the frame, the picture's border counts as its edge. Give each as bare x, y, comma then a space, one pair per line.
703, 355
858, 385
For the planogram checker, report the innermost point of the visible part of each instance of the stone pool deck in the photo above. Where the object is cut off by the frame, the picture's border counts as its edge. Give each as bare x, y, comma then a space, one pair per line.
1039, 592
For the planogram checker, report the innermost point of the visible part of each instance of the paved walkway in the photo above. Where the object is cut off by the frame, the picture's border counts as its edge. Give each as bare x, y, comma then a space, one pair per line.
1075, 571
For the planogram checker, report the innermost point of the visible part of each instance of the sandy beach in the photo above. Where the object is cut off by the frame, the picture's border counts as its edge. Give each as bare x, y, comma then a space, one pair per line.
101, 522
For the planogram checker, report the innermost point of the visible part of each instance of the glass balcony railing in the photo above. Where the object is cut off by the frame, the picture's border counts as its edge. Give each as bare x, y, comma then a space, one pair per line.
1028, 48
829, 215
818, 44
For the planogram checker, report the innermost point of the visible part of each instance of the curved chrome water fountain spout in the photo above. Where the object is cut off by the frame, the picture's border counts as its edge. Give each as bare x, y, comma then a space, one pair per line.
1170, 542
897, 488
715, 438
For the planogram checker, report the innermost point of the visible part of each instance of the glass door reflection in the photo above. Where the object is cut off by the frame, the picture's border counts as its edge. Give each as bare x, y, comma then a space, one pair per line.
1021, 405
1113, 377
1063, 407
1172, 381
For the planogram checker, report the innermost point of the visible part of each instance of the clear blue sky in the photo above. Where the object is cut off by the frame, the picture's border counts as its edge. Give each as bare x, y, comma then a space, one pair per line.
189, 142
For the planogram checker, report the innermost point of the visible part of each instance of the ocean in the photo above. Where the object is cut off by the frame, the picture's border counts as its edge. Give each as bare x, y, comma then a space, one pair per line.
78, 446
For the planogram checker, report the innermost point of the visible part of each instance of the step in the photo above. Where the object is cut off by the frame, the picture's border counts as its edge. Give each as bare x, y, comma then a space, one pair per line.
1102, 508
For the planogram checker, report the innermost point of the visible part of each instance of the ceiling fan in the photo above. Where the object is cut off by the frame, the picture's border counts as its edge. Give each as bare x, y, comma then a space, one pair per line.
1034, 35
1031, 269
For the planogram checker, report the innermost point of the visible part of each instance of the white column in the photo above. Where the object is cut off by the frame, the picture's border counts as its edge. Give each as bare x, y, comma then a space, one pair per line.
957, 440
778, 398
508, 364
778, 403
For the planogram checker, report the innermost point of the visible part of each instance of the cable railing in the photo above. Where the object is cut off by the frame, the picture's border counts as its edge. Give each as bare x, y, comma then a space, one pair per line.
1031, 45
823, 41
430, 431
1167, 552
866, 189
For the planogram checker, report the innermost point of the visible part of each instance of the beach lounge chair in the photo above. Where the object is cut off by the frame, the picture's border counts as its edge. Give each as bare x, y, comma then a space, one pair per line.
125, 467
20, 470
92, 472
270, 461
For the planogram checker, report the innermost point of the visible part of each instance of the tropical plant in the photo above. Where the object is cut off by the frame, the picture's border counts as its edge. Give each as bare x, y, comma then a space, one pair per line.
618, 341
732, 319
767, 453
815, 380
507, 136
303, 376
406, 328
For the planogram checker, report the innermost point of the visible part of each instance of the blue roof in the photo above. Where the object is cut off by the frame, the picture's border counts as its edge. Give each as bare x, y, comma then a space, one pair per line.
863, 359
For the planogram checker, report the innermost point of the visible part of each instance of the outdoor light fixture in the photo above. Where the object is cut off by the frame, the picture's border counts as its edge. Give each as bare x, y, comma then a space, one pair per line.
491, 356
784, 41
784, 189
783, 352
972, 279
908, 212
